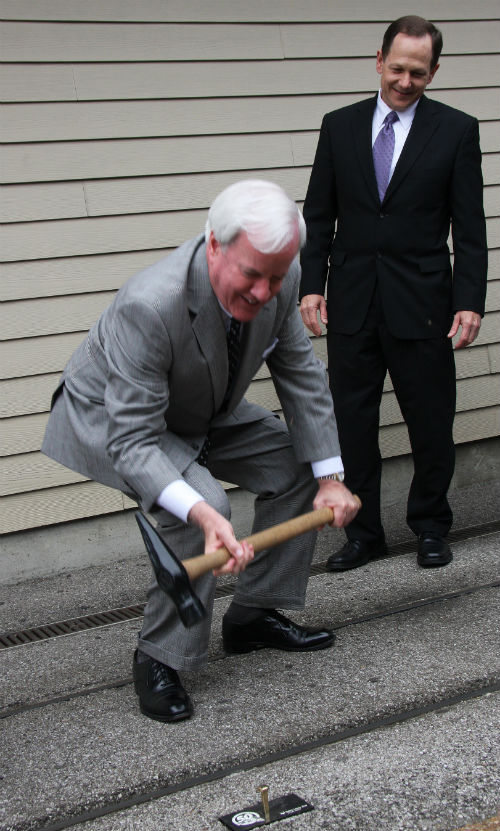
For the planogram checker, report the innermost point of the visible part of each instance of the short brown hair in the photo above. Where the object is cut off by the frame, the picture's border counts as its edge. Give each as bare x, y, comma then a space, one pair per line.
416, 27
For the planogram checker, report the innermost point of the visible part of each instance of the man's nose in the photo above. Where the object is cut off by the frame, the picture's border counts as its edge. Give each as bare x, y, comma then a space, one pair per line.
405, 81
261, 290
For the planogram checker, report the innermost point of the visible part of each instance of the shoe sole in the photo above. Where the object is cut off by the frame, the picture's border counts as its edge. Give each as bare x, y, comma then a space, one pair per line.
164, 719
242, 650
333, 566
345, 567
434, 564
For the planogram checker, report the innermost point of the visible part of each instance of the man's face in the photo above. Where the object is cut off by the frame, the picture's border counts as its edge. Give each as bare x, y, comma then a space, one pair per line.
244, 279
406, 71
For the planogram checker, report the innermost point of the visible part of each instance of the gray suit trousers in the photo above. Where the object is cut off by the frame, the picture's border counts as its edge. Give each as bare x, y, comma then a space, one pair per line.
258, 457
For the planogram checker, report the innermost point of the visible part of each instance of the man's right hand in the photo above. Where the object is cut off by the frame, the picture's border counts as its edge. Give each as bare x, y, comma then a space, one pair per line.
218, 534
310, 305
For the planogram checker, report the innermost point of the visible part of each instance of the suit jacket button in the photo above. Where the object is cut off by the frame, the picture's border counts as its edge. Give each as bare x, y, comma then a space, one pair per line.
429, 322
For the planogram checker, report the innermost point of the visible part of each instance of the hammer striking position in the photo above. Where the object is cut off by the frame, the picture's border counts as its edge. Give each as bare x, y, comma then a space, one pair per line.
152, 403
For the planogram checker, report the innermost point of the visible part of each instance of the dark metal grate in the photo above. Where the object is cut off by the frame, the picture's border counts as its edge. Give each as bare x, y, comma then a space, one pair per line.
69, 627
79, 624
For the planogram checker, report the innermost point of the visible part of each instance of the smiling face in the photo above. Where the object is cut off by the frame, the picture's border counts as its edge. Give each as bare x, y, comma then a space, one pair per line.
245, 279
406, 70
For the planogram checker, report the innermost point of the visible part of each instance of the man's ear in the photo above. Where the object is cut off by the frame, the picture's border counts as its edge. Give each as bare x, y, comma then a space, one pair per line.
212, 244
380, 61
432, 73
213, 251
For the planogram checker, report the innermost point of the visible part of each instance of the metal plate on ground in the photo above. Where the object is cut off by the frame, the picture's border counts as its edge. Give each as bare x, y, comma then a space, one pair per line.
283, 807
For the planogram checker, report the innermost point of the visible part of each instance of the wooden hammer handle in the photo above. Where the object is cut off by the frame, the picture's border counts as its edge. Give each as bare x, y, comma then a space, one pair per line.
196, 566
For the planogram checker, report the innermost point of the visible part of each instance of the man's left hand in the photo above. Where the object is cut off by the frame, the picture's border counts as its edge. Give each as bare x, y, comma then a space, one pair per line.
470, 323
335, 495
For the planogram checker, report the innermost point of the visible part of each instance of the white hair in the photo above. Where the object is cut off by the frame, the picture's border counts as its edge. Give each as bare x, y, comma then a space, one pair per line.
262, 210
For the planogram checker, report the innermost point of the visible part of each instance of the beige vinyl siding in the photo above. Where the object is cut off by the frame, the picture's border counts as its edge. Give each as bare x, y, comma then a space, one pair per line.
235, 11
122, 81
124, 118
63, 161
159, 193
83, 120
34, 42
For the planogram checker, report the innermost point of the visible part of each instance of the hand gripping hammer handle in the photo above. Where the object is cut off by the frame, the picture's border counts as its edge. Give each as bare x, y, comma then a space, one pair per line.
196, 566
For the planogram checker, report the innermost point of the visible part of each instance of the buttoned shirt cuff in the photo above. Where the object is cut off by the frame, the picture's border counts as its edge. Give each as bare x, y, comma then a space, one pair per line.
178, 498
326, 466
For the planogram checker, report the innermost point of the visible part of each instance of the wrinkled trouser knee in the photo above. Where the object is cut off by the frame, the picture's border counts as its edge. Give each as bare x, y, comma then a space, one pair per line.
276, 578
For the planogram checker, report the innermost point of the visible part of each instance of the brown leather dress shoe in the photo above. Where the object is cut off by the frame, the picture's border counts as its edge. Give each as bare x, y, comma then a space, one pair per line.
433, 551
161, 694
355, 553
274, 631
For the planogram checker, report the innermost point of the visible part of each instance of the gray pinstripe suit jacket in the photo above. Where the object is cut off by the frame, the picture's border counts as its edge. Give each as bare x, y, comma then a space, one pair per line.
138, 396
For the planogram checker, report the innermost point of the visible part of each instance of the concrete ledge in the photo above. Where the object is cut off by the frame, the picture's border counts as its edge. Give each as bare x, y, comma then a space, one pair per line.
113, 537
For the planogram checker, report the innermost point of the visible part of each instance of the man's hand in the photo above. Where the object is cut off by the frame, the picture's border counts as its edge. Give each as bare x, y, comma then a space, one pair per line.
218, 534
310, 305
470, 323
335, 495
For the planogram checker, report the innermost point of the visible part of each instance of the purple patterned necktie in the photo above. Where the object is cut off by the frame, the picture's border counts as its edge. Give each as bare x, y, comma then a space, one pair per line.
383, 151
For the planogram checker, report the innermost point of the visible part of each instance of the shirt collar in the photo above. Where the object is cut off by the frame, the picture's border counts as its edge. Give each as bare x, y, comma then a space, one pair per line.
405, 116
227, 318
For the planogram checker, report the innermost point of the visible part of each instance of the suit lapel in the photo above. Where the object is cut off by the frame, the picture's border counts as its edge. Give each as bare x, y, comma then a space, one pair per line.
362, 137
208, 324
422, 129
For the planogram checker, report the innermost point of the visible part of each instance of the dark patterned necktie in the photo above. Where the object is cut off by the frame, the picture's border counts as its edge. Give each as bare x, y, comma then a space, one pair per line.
383, 151
202, 457
233, 353
233, 359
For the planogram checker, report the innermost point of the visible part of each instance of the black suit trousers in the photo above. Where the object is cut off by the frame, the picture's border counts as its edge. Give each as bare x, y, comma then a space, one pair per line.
423, 377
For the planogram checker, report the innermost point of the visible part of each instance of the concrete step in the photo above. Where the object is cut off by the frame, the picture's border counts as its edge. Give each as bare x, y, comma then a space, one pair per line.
340, 727
410, 775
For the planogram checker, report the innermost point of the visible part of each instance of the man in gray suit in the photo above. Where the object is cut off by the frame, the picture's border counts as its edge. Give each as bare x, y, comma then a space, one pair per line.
150, 404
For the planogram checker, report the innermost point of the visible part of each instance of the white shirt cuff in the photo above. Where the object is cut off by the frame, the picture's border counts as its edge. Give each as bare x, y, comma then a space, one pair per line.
179, 498
326, 466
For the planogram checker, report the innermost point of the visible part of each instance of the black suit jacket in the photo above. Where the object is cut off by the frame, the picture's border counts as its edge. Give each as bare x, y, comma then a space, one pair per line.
401, 243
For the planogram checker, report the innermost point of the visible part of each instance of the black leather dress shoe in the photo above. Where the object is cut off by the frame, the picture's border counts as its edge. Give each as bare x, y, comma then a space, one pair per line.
355, 553
433, 551
161, 694
274, 631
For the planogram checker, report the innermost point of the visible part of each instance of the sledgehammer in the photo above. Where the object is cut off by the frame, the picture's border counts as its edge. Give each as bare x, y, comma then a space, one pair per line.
174, 577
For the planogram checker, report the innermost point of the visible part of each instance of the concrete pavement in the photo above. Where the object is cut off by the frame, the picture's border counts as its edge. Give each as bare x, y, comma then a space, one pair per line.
396, 727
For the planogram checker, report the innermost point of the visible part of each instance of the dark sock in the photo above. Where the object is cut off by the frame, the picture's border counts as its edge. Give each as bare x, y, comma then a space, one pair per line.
244, 614
141, 657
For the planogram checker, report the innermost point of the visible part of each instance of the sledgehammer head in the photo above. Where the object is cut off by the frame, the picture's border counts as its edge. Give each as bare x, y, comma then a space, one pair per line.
171, 574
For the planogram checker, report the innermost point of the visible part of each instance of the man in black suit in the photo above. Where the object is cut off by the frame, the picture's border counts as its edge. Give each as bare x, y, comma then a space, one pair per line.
378, 212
